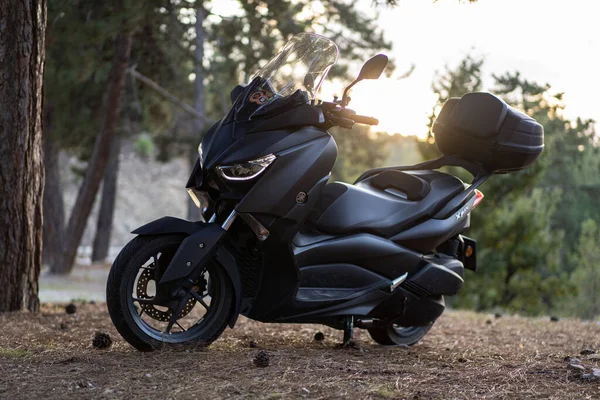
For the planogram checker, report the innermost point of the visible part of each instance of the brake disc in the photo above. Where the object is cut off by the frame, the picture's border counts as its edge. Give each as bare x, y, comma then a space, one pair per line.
150, 309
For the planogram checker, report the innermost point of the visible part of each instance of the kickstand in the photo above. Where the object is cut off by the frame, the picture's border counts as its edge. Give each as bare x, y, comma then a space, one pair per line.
348, 331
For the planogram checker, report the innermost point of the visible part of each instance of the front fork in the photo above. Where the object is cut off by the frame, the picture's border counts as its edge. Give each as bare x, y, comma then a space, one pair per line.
189, 263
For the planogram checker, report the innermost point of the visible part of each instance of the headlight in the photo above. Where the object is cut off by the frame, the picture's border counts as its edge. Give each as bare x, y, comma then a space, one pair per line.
199, 198
247, 170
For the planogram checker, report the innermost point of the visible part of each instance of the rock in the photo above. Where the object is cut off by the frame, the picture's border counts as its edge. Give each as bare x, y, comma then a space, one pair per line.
101, 340
596, 372
554, 318
261, 359
319, 336
590, 378
586, 352
497, 315
576, 367
70, 308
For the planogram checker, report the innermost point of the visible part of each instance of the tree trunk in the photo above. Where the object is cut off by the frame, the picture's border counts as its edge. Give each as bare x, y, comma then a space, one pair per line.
54, 208
97, 164
198, 123
22, 30
107, 205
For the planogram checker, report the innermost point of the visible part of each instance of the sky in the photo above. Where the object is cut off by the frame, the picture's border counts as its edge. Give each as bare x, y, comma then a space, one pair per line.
548, 41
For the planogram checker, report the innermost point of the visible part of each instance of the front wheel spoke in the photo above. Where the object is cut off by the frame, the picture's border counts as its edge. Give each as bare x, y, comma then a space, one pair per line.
181, 327
169, 327
174, 314
200, 300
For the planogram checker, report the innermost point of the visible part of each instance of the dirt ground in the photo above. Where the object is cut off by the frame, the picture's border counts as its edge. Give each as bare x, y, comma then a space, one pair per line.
465, 356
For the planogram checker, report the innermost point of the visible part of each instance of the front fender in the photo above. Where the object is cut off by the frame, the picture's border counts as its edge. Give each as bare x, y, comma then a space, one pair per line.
169, 225
200, 246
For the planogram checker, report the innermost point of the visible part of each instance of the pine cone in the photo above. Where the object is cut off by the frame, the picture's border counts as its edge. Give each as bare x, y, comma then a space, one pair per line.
101, 340
261, 359
70, 308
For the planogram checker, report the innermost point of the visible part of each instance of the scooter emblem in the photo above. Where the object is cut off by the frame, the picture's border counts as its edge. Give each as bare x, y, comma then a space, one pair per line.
301, 198
462, 212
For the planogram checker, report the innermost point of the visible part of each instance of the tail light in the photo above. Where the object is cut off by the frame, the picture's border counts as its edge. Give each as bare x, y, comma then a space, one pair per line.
478, 197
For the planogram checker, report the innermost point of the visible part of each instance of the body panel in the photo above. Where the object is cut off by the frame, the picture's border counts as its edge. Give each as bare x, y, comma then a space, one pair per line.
295, 170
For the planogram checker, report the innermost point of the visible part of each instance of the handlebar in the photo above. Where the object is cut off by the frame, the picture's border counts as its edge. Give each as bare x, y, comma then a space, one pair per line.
362, 119
343, 117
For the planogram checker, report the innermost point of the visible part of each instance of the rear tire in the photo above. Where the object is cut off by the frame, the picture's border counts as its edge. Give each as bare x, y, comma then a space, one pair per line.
123, 310
395, 335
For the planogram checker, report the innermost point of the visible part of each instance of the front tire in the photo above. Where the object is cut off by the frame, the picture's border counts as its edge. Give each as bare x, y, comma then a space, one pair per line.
394, 335
133, 278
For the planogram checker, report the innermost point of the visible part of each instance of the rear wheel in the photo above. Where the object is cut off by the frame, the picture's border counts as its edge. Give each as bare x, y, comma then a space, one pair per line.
395, 335
132, 287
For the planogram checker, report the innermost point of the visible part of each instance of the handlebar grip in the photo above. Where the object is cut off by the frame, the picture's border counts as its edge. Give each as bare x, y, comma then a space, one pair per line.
345, 123
362, 119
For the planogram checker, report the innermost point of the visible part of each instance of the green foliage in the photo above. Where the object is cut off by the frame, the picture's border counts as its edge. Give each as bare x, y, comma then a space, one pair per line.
79, 52
143, 146
586, 276
518, 255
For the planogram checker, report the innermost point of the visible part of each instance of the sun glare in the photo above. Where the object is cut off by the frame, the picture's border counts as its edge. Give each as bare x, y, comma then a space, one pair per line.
398, 106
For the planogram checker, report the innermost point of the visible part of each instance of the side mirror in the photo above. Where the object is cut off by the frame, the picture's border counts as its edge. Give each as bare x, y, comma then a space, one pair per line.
372, 69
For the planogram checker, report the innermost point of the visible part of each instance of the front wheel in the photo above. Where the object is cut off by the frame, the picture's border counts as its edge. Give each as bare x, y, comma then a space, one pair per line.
133, 285
395, 335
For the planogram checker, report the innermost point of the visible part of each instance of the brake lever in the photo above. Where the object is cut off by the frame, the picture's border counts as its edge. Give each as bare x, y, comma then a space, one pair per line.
336, 117
345, 123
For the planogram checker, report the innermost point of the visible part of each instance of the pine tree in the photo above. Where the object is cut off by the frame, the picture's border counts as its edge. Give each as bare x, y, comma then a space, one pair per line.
586, 276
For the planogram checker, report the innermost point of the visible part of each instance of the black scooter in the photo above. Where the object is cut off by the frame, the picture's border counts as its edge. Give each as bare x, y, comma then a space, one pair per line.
281, 244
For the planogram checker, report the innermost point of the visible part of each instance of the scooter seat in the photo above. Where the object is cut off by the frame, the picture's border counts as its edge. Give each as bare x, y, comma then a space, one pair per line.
383, 204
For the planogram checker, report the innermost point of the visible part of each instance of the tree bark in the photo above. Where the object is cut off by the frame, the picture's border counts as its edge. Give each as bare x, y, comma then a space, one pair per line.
107, 205
54, 208
198, 123
97, 164
22, 31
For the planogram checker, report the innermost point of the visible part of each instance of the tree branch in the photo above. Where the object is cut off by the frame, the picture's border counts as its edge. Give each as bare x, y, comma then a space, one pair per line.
164, 92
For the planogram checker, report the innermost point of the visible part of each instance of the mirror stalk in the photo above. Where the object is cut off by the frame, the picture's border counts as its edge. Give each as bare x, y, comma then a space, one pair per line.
372, 69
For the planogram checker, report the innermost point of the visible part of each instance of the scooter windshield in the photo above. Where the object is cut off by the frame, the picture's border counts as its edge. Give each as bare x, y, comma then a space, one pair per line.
291, 77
